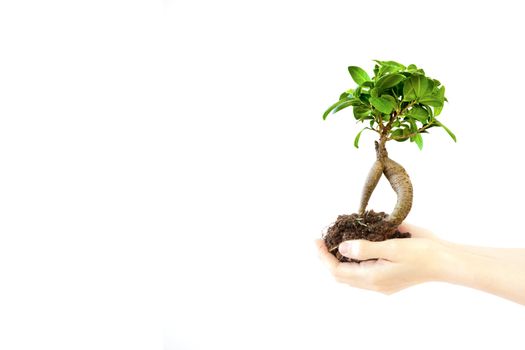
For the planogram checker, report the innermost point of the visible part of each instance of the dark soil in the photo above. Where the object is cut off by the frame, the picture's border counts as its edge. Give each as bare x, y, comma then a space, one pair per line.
371, 226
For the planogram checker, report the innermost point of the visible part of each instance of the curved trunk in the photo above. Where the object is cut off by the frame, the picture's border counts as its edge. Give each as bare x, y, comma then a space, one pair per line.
400, 182
398, 179
371, 182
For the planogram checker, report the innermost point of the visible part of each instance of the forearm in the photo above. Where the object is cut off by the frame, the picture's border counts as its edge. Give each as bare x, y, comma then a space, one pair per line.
516, 255
495, 271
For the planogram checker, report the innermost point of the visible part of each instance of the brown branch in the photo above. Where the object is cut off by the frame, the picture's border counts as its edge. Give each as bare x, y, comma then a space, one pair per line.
412, 134
379, 121
385, 129
390, 121
407, 107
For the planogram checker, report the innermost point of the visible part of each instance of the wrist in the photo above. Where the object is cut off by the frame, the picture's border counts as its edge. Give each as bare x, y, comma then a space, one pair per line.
464, 267
454, 265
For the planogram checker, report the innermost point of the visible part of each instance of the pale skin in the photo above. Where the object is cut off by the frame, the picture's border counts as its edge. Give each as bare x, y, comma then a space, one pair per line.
402, 263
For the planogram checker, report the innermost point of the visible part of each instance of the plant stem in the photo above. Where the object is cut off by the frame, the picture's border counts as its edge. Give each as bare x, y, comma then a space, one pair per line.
412, 134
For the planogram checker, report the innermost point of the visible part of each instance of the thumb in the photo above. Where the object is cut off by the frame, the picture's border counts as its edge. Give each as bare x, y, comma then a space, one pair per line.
364, 250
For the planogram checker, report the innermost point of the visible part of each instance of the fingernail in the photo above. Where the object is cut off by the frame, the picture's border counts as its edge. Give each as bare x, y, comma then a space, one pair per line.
345, 248
349, 249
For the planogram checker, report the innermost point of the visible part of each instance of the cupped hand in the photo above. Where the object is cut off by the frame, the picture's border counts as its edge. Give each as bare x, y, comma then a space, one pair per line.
391, 265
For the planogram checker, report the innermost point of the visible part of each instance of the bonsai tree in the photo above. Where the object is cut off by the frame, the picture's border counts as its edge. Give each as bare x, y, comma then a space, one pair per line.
398, 103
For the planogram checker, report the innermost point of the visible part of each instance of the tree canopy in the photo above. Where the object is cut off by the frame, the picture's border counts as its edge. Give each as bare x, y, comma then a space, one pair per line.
399, 102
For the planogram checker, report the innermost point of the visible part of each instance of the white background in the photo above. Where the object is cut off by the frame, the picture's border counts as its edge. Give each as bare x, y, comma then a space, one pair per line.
164, 170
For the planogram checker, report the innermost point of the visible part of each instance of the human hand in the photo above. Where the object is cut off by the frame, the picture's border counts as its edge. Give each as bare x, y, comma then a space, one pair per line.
404, 262
400, 263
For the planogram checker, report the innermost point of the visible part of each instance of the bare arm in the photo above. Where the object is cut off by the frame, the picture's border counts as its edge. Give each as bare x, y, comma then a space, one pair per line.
405, 262
497, 271
508, 254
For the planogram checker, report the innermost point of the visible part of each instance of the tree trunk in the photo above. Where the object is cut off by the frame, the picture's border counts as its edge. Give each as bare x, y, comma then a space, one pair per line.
398, 179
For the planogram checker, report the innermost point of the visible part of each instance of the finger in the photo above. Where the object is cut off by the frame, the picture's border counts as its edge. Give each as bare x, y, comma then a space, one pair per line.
325, 256
320, 243
364, 250
368, 274
348, 273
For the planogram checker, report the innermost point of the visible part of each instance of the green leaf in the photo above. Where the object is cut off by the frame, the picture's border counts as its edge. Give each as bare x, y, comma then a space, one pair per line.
408, 91
368, 117
336, 107
382, 104
376, 70
418, 113
440, 94
416, 86
389, 81
343, 106
432, 101
362, 111
419, 140
393, 64
357, 137
357, 91
428, 109
400, 134
446, 129
392, 99
389, 67
358, 74
345, 96
364, 98
396, 133
413, 127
